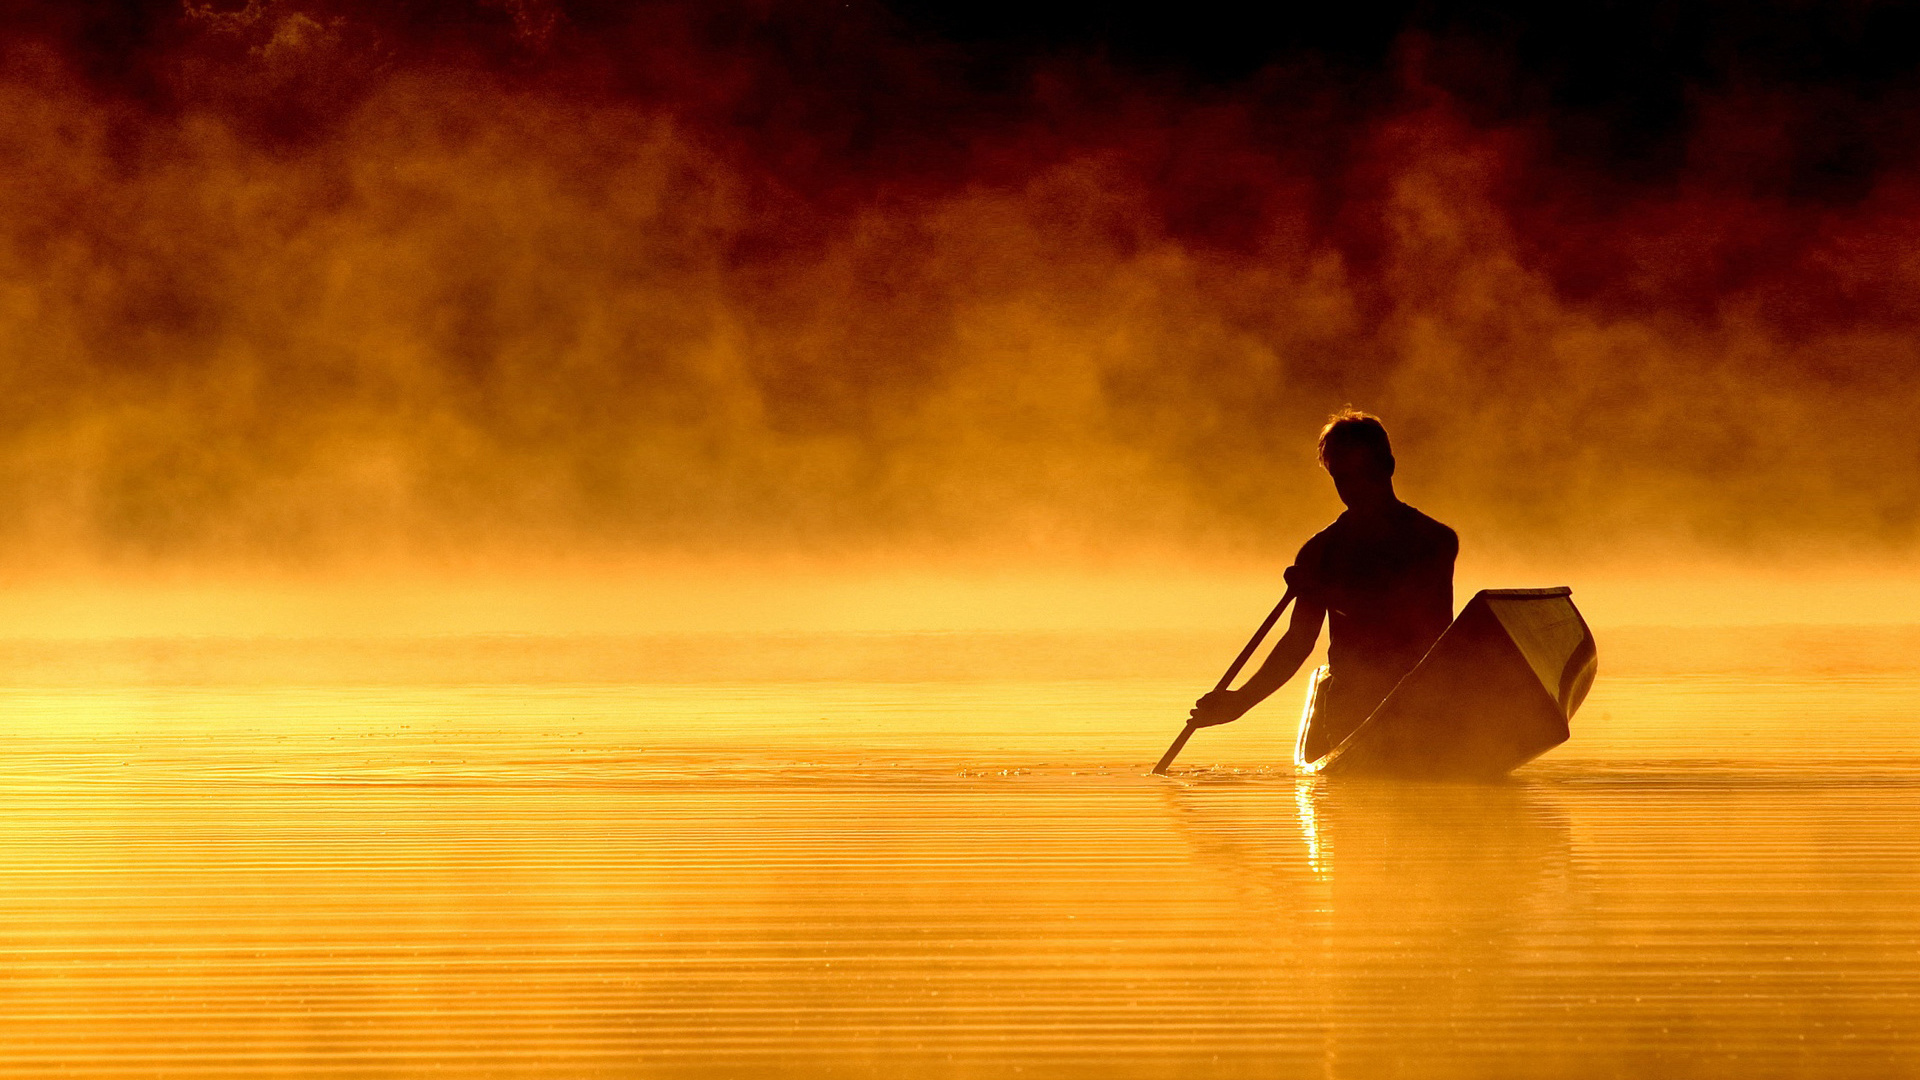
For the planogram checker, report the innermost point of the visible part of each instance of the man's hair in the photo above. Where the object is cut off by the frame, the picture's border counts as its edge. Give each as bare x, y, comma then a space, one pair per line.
1351, 428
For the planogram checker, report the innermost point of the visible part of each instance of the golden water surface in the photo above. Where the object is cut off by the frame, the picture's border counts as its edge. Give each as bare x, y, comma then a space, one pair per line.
566, 875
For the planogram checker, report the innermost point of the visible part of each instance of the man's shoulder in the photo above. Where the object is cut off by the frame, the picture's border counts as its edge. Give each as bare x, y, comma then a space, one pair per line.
1320, 541
1431, 532
1415, 529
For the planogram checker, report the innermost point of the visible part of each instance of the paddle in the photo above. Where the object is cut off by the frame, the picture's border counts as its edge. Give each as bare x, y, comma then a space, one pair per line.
1226, 680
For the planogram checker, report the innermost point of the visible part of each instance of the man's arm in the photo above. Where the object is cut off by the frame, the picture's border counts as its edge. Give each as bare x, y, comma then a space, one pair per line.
1222, 706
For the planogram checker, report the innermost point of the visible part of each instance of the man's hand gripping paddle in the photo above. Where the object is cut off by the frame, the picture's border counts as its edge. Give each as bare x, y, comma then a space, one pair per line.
1226, 680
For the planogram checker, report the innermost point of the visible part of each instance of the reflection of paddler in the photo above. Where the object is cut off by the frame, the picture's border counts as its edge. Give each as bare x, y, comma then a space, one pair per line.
1477, 849
1381, 576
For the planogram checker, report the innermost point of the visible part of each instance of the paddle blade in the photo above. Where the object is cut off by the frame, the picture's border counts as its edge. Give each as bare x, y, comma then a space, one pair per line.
1173, 751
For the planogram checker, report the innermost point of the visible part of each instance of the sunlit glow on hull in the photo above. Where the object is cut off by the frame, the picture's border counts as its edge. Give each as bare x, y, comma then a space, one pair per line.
1300, 762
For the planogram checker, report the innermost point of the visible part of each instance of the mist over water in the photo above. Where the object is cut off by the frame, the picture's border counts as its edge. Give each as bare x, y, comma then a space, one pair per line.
938, 870
299, 282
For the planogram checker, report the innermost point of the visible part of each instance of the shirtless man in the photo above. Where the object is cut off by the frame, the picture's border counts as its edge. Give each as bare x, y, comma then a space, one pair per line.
1381, 575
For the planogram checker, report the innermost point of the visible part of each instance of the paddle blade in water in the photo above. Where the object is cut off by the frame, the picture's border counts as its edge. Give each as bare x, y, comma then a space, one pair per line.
1173, 751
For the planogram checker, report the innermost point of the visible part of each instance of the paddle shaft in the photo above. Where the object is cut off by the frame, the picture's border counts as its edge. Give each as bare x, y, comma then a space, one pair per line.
1233, 672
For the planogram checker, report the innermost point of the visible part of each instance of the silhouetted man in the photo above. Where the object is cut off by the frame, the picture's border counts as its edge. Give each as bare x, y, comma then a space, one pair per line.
1381, 574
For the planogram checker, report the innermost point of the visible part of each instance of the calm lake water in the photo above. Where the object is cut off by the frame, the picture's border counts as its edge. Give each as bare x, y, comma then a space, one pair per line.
210, 875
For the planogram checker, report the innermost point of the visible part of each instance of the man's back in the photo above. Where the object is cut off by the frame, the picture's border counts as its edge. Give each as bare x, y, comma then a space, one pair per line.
1386, 580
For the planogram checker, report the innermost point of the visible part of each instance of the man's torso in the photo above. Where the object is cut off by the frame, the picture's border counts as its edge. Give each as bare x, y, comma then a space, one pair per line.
1387, 585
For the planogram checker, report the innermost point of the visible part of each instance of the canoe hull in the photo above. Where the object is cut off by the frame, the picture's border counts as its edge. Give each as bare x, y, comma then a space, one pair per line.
1496, 691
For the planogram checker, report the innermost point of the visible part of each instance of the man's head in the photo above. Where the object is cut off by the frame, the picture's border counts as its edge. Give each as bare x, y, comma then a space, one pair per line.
1355, 452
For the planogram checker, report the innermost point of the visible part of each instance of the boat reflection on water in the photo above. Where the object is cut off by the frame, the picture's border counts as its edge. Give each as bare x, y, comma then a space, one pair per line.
1449, 857
1494, 849
1413, 921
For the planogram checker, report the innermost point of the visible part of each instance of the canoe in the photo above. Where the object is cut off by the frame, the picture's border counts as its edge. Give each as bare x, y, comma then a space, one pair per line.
1496, 691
